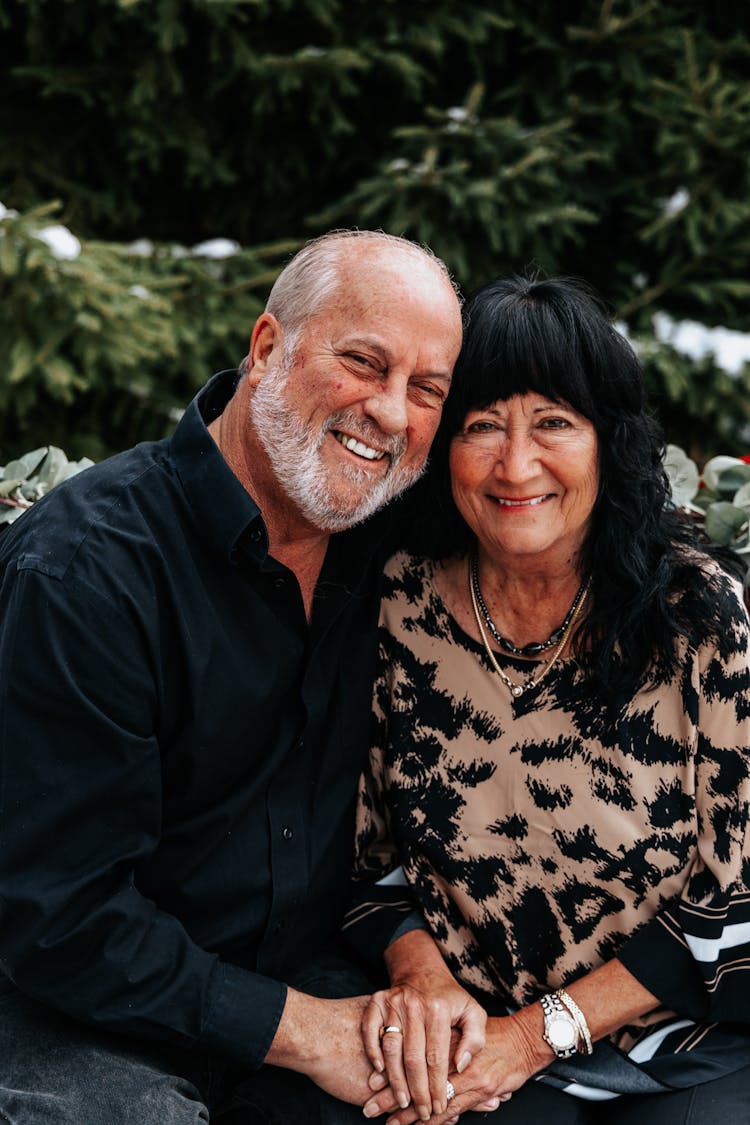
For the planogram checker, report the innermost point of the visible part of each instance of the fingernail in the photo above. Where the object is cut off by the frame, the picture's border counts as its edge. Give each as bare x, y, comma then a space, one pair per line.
424, 1112
402, 1099
463, 1062
377, 1081
437, 1108
367, 1112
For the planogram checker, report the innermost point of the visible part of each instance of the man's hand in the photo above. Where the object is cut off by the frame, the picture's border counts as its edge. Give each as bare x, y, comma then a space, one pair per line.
441, 1026
322, 1039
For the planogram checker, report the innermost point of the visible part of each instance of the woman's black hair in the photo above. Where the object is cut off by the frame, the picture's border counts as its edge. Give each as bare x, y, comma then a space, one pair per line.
554, 337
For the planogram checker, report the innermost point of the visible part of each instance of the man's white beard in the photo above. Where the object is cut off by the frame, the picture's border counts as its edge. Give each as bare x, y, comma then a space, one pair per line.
294, 452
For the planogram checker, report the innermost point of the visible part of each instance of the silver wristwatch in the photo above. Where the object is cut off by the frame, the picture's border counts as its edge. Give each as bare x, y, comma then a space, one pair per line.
560, 1029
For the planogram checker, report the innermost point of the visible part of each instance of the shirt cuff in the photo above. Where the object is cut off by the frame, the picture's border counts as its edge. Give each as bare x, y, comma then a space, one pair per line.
244, 1014
413, 921
665, 966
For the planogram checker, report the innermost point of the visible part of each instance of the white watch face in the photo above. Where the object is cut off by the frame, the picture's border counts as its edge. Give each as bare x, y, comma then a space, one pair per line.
562, 1033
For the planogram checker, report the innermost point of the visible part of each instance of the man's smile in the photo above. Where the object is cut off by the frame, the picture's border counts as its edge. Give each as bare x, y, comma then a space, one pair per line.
354, 445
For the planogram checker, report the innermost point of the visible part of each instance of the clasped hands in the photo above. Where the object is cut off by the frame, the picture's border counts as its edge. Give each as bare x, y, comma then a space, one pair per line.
443, 1042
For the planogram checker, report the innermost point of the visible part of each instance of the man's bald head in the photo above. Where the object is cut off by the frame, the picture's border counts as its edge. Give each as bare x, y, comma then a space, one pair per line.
313, 276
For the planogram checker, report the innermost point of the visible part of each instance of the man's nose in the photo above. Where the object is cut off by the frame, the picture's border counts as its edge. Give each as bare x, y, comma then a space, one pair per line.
387, 407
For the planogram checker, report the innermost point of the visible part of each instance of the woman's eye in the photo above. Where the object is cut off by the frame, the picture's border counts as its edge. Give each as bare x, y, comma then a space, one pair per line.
555, 423
481, 427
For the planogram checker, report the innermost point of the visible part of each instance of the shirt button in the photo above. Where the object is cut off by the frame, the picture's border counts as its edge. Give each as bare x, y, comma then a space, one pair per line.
256, 535
280, 583
287, 832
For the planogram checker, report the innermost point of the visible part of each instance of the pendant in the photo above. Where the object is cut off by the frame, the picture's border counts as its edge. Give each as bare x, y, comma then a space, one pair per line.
516, 690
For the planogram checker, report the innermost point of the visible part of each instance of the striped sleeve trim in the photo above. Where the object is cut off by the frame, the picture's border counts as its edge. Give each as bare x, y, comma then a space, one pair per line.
658, 956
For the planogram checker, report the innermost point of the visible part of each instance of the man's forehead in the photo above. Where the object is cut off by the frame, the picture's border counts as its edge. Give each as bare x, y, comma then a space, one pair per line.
405, 265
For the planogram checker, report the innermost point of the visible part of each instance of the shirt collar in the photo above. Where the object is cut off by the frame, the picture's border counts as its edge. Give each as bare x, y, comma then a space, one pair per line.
222, 508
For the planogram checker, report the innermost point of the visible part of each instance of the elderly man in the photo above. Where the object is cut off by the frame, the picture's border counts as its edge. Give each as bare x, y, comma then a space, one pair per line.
185, 663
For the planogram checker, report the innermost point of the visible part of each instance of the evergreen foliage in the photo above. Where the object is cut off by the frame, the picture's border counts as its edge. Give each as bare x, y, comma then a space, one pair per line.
608, 139
108, 341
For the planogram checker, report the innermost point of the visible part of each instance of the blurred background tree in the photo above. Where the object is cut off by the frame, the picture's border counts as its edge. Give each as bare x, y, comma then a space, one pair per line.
609, 139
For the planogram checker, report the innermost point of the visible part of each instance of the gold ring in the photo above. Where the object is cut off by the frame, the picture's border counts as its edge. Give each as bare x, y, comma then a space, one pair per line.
390, 1027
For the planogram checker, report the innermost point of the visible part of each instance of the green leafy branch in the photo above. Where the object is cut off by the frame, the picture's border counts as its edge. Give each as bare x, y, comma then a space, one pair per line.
718, 499
27, 479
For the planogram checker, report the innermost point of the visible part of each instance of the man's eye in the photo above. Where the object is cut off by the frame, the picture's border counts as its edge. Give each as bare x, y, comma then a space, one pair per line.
433, 391
360, 360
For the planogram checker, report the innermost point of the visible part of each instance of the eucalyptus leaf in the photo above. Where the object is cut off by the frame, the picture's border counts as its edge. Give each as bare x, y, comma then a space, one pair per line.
716, 467
682, 474
53, 469
33, 475
705, 497
734, 477
741, 498
26, 465
723, 521
33, 491
74, 467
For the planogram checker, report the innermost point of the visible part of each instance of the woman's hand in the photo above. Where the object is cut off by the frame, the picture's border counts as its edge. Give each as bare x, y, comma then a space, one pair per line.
415, 1061
510, 1057
441, 1027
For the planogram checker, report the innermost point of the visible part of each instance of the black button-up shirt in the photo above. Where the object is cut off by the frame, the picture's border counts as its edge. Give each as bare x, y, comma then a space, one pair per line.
178, 749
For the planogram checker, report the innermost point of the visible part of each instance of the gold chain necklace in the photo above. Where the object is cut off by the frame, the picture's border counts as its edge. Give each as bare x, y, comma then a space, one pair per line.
517, 690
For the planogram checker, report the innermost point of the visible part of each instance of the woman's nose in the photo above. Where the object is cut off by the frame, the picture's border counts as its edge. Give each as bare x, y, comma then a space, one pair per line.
516, 456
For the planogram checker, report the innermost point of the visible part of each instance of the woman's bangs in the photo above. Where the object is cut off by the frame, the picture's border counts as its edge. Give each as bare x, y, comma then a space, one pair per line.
520, 361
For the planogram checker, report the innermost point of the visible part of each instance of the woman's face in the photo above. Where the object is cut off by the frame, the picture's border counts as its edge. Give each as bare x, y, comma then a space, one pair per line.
525, 477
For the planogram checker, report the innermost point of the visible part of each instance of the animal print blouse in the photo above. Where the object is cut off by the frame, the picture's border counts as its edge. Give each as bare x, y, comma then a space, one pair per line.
541, 836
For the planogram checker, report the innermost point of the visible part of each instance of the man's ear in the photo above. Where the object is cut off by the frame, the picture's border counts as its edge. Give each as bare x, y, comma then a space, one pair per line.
267, 338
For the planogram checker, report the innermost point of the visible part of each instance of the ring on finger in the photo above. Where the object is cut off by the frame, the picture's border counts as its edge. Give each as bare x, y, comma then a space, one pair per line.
390, 1029
450, 1090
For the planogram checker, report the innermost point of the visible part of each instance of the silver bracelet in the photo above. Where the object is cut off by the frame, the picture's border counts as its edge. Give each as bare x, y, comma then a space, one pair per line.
579, 1017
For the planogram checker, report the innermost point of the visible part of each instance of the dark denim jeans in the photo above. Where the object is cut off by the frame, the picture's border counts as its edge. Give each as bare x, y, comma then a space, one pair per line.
56, 1071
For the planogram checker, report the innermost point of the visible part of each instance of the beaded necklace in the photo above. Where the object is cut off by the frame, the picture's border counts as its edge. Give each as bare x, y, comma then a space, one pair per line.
534, 648
517, 690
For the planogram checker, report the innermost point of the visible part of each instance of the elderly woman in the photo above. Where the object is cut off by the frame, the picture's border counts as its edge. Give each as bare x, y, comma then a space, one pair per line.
560, 768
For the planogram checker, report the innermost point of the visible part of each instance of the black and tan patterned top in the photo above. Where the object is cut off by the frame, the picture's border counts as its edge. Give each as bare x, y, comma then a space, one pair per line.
541, 836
